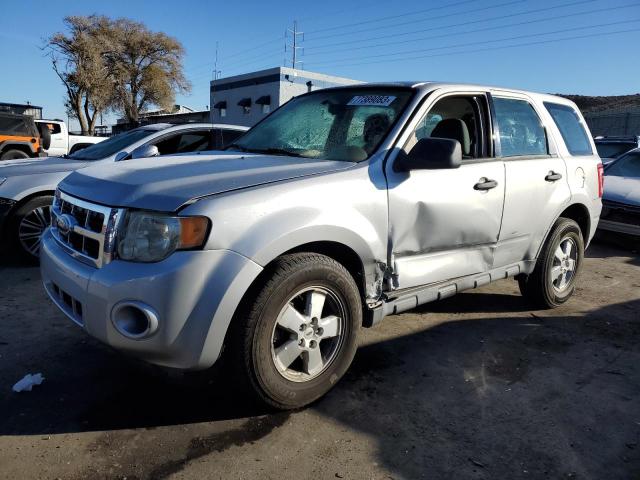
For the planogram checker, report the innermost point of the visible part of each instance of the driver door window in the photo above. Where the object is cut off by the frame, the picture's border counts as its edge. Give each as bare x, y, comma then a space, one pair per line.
461, 118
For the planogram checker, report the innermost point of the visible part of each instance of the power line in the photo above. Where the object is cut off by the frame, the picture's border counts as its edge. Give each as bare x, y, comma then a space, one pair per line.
471, 22
602, 34
466, 32
467, 44
242, 53
389, 17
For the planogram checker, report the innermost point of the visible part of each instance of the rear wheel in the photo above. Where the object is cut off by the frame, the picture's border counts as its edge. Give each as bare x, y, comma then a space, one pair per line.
553, 280
13, 155
28, 224
299, 335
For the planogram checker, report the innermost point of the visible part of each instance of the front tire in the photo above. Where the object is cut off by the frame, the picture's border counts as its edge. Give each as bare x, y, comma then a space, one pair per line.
298, 335
13, 155
27, 226
554, 278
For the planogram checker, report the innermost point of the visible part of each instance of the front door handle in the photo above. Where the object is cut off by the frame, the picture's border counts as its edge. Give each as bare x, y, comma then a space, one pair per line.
553, 176
485, 184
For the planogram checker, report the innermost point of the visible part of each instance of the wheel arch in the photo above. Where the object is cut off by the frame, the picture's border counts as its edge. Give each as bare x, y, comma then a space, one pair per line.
22, 146
580, 214
577, 212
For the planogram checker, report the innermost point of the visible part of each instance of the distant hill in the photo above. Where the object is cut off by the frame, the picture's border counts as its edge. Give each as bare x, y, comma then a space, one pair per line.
588, 104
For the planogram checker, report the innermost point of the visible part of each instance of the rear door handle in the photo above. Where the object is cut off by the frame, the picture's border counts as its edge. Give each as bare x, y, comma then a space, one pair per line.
553, 176
485, 184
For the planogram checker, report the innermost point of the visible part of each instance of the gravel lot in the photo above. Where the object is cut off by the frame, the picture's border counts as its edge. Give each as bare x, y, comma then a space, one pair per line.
476, 386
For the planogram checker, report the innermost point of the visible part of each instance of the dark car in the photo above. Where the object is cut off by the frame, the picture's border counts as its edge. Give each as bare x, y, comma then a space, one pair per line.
621, 199
609, 148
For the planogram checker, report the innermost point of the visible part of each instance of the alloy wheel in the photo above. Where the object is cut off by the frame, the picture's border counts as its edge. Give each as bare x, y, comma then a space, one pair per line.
308, 333
31, 228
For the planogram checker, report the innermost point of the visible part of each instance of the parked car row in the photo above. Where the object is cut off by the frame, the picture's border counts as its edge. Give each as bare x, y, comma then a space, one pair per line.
341, 207
27, 186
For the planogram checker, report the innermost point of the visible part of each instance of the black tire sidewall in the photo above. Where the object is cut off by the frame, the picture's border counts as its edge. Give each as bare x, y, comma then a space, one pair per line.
280, 391
13, 155
565, 228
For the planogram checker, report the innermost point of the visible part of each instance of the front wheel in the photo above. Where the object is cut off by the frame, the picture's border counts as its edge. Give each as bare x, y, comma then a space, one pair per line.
554, 278
27, 226
298, 336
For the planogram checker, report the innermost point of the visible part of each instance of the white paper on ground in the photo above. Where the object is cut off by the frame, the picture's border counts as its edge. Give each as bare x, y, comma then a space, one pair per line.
27, 383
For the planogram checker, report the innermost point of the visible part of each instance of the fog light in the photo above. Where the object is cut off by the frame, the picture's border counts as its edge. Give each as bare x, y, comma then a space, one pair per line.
134, 320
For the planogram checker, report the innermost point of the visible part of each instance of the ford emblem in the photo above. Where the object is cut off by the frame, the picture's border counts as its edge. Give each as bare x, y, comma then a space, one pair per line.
65, 223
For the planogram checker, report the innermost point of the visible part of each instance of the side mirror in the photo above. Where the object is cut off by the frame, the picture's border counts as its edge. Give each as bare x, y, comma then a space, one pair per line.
145, 151
431, 153
121, 156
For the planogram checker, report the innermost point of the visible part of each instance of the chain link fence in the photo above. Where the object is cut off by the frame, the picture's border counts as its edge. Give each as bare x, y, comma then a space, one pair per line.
623, 123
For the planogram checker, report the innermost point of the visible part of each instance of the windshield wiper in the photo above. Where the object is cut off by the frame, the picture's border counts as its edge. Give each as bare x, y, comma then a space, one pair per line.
268, 151
277, 151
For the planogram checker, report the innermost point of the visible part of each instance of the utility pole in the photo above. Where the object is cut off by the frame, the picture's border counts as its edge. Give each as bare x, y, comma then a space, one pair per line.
294, 45
216, 72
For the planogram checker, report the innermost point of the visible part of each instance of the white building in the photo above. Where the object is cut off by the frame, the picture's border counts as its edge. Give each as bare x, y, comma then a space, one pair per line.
246, 99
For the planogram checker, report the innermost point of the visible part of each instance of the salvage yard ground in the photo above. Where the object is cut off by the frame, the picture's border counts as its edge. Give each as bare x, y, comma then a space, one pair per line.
476, 386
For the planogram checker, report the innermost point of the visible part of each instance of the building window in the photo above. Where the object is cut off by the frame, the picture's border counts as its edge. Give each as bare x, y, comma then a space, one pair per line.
245, 103
222, 108
265, 103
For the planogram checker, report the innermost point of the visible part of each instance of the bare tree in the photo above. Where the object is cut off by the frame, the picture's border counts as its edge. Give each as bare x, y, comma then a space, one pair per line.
115, 64
78, 60
146, 68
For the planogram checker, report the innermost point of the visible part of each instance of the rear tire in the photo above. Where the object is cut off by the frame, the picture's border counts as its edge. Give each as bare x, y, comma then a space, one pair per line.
554, 278
13, 155
297, 334
27, 225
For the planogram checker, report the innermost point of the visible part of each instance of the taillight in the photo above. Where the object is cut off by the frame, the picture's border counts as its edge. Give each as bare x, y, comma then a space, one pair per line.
600, 179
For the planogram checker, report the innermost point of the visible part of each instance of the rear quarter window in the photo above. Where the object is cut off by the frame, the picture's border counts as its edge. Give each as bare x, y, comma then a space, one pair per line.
571, 128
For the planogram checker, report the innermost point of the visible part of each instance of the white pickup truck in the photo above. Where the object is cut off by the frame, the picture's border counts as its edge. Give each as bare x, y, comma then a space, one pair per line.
63, 143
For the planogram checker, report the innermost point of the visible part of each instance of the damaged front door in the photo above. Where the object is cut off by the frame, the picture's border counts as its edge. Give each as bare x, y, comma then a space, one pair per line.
445, 222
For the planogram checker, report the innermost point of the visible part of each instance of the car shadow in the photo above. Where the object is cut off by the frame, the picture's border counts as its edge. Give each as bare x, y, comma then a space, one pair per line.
97, 389
513, 397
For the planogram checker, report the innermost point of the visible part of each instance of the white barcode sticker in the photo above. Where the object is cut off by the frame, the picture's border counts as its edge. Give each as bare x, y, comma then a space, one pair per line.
371, 100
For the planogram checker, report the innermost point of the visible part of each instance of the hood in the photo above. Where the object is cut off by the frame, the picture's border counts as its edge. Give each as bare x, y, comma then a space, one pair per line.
622, 189
32, 166
167, 183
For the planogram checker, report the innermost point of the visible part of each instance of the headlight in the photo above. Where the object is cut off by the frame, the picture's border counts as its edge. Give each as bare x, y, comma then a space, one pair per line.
151, 237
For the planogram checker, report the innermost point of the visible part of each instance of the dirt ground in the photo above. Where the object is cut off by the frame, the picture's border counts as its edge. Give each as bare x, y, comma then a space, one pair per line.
476, 386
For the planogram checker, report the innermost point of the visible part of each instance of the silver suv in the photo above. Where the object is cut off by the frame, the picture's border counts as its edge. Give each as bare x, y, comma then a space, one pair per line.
341, 207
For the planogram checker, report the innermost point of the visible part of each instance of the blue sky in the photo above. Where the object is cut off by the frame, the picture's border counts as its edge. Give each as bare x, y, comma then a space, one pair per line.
569, 46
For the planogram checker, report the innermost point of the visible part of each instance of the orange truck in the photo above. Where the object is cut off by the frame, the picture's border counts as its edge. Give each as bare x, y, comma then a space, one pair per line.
20, 138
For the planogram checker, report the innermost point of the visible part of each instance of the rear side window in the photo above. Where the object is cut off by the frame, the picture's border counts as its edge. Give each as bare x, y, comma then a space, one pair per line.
573, 132
521, 131
17, 125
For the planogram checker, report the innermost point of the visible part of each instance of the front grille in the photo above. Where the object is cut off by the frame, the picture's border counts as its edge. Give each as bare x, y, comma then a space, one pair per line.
85, 230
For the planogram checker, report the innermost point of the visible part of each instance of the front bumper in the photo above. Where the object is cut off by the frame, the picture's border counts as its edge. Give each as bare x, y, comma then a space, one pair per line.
194, 293
619, 227
619, 217
6, 204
